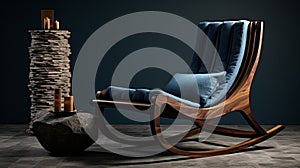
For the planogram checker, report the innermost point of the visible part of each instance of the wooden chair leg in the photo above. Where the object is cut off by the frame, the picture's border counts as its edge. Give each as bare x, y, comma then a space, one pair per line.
229, 131
156, 130
247, 114
231, 149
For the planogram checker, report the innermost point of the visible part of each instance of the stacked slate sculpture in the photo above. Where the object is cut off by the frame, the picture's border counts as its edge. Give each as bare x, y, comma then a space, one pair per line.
49, 69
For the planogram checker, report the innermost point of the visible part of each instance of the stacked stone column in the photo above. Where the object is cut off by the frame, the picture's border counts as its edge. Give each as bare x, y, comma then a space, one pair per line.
49, 69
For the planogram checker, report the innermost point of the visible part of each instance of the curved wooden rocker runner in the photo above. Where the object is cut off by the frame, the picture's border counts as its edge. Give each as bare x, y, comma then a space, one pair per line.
237, 99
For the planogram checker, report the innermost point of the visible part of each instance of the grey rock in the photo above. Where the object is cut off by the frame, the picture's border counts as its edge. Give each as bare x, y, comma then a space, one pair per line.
63, 135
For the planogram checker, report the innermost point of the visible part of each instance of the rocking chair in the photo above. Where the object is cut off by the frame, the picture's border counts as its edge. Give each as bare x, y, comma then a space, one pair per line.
239, 45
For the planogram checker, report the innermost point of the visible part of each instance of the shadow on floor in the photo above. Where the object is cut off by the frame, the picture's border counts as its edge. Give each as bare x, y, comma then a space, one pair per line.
111, 159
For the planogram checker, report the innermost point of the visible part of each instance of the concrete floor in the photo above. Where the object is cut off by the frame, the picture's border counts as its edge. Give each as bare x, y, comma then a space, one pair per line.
20, 150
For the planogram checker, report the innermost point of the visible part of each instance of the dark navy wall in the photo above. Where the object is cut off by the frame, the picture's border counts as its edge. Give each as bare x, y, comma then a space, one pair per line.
274, 96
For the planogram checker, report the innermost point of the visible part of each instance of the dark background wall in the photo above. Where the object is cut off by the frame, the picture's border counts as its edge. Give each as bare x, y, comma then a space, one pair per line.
274, 96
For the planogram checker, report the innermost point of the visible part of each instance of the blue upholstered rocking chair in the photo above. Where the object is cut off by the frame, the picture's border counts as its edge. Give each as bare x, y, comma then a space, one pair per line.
239, 45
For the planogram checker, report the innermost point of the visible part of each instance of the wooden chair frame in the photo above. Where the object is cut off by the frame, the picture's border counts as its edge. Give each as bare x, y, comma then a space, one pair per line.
237, 99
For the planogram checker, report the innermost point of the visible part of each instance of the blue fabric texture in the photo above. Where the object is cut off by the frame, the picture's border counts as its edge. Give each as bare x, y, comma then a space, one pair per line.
140, 95
229, 38
195, 87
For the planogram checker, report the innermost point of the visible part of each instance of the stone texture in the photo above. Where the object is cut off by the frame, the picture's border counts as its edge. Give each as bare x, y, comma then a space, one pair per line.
49, 69
63, 135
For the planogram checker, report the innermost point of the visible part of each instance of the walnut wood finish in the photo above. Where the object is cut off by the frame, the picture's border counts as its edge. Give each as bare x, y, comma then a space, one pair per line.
237, 99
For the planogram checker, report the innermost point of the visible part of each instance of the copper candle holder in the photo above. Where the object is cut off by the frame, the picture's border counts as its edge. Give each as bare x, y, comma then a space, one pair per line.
68, 103
57, 99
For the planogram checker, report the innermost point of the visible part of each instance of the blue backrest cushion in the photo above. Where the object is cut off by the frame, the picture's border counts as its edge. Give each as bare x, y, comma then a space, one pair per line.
229, 38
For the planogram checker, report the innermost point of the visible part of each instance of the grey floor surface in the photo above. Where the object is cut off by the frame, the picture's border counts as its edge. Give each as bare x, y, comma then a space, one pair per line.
17, 149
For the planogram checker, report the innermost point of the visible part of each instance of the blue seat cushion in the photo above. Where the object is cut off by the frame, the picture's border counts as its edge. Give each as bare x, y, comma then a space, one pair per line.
139, 95
190, 89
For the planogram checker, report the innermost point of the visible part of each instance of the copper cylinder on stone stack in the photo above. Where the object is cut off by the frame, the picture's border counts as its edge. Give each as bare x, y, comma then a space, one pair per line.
57, 100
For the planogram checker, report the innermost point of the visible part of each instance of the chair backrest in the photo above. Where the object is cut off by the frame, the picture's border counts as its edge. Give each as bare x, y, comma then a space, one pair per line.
250, 61
229, 38
238, 44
